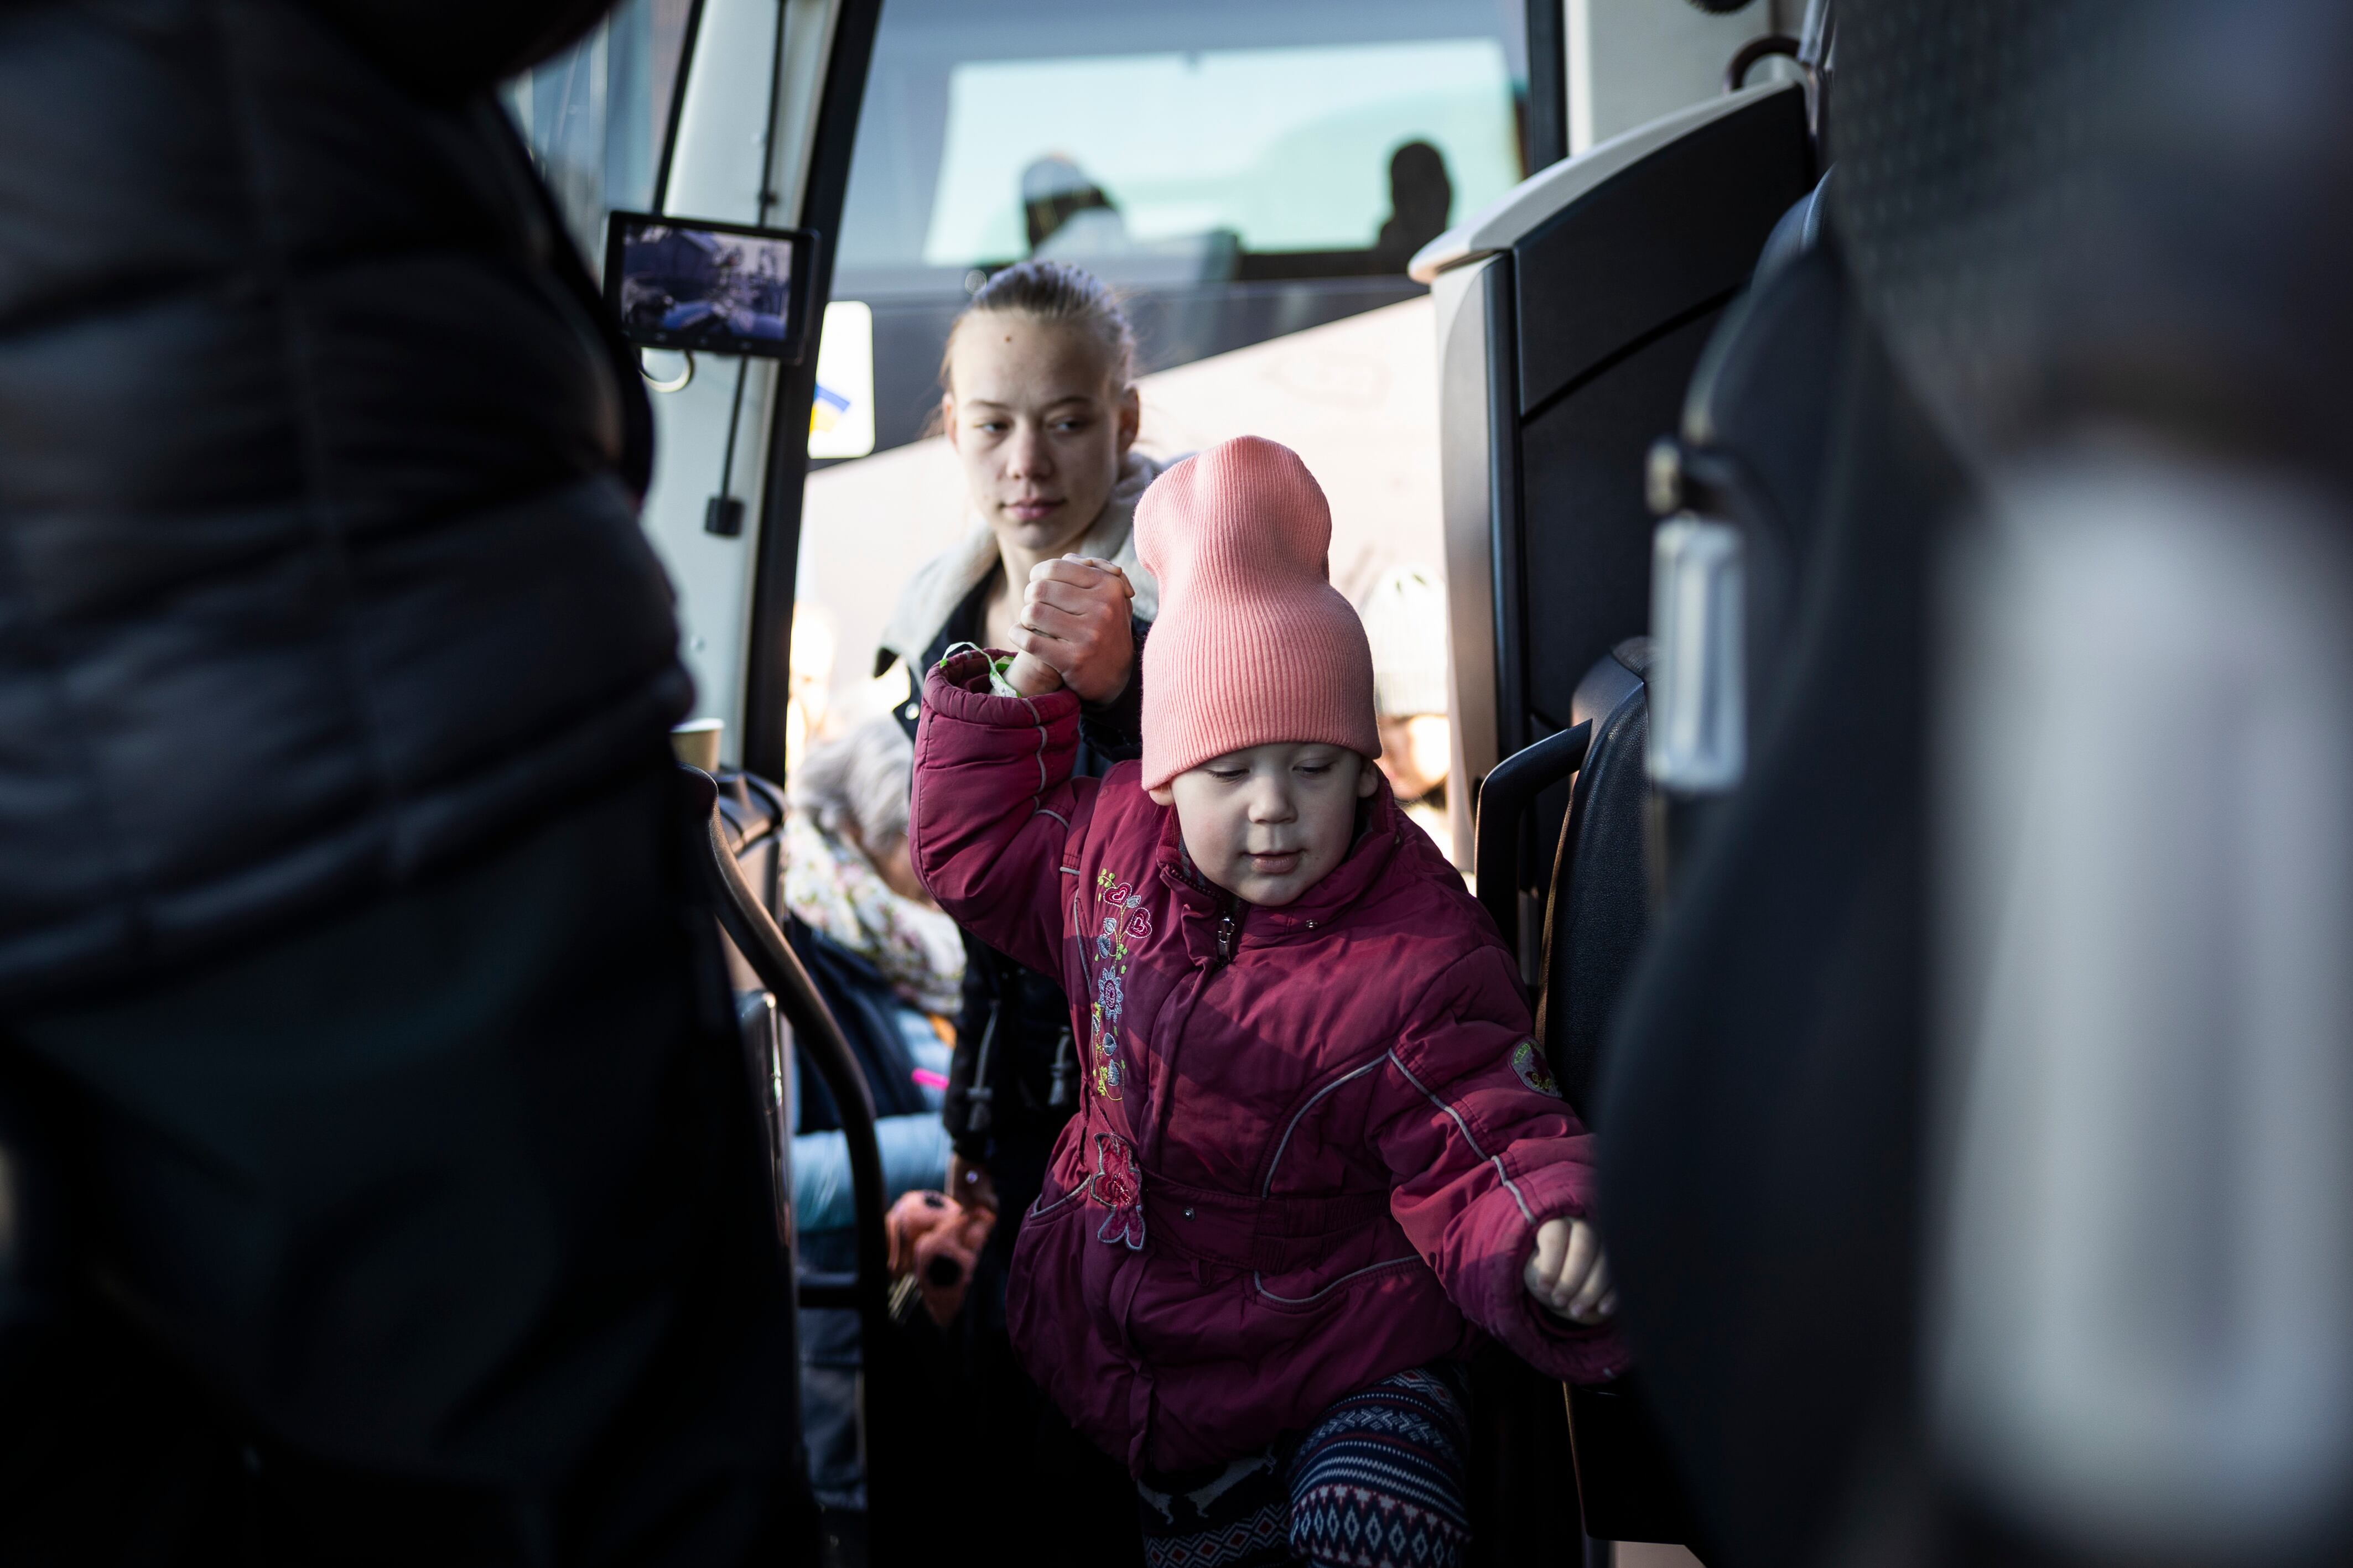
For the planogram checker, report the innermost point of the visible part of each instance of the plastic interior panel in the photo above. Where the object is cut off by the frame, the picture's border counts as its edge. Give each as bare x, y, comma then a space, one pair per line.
1612, 302
1586, 542
1677, 232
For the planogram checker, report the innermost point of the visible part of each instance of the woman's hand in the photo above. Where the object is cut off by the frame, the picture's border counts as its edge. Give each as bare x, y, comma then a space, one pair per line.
1075, 625
1568, 1276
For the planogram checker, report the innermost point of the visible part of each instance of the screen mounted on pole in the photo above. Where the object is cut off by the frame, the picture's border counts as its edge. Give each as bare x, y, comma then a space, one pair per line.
712, 288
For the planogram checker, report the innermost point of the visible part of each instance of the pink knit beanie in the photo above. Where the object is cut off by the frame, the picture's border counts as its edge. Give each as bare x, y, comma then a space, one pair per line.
1253, 643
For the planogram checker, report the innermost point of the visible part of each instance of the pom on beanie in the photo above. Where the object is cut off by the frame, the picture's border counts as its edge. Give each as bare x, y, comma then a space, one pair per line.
1253, 643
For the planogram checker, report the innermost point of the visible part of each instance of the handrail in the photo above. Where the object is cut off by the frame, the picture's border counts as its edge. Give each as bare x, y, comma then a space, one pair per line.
756, 935
1504, 799
886, 1392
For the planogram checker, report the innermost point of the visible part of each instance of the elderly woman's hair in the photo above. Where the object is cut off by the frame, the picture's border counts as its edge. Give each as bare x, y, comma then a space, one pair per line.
860, 781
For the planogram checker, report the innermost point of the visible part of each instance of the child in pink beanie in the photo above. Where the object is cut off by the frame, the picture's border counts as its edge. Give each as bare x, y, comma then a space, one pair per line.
1319, 1154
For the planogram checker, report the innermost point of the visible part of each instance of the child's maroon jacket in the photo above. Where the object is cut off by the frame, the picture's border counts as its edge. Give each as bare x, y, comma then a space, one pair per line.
1307, 1134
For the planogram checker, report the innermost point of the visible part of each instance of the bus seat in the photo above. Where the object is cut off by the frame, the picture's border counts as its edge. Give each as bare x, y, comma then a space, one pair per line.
1762, 1096
1743, 478
1752, 444
1748, 458
1570, 315
1598, 906
1571, 312
1596, 915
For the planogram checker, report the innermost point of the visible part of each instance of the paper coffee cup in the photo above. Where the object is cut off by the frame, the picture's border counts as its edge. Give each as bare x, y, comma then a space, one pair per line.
696, 742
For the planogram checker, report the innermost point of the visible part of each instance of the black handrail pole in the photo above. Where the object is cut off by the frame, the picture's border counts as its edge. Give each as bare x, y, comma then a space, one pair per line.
764, 947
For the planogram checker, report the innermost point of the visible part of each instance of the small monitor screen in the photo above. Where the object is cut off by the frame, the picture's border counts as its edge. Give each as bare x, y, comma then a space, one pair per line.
709, 286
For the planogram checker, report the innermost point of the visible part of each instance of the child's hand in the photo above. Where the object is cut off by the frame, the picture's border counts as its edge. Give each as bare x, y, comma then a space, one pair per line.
1031, 676
1568, 1276
1075, 623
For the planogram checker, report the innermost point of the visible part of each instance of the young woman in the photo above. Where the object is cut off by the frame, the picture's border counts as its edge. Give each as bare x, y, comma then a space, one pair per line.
1040, 404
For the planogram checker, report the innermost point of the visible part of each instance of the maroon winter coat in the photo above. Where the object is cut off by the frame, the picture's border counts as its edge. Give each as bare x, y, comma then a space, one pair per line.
1308, 1134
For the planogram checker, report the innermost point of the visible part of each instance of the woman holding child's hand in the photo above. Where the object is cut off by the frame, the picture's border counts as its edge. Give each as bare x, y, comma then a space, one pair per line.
1039, 407
1073, 629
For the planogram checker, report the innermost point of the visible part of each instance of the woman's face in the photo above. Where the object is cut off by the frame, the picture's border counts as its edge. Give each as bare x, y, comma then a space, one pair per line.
1033, 413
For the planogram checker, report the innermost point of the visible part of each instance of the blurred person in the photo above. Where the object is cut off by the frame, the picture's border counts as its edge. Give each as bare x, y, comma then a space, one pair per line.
808, 701
407, 1205
1057, 195
1421, 198
1040, 406
888, 963
847, 876
1405, 621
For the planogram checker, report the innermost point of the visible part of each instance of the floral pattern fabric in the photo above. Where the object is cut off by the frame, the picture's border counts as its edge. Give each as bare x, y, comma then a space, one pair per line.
835, 889
1118, 1185
1121, 919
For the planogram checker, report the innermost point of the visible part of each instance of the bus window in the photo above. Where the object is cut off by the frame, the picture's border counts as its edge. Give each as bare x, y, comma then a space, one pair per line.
595, 116
1288, 149
1241, 172
1253, 180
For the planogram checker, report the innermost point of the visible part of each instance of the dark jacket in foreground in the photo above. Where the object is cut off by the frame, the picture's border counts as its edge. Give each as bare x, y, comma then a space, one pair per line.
318, 567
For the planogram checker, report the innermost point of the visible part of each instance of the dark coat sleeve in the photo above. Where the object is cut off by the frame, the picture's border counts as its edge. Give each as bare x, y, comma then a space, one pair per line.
1114, 730
450, 49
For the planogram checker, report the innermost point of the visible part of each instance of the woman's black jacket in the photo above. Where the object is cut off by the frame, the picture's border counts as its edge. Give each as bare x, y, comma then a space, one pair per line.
320, 566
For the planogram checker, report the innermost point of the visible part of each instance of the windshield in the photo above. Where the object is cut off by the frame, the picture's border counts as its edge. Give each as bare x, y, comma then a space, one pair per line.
596, 114
1167, 144
1278, 149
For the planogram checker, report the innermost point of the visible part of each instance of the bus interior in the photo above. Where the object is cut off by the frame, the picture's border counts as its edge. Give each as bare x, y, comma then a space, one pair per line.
1867, 478
1790, 409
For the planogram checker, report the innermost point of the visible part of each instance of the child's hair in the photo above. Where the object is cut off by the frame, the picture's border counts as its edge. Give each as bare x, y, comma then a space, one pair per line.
1052, 291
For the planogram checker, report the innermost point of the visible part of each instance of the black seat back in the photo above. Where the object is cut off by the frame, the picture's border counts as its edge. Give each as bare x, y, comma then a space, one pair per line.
1597, 914
1762, 1103
1597, 908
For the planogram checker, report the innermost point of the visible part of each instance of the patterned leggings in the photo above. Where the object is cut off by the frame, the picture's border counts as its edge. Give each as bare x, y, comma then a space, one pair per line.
1375, 1483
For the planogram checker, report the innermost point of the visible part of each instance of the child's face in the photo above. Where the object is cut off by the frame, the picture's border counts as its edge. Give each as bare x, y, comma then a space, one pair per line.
1269, 822
1038, 425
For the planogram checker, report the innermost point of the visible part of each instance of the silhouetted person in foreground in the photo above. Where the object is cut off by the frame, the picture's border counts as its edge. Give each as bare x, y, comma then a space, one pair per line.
1421, 198
404, 1200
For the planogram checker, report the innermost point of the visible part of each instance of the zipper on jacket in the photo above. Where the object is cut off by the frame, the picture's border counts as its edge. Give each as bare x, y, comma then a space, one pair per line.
1226, 923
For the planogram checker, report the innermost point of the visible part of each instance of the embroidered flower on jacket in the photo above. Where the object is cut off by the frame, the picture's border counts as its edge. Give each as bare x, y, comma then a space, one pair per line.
1118, 1185
1123, 919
